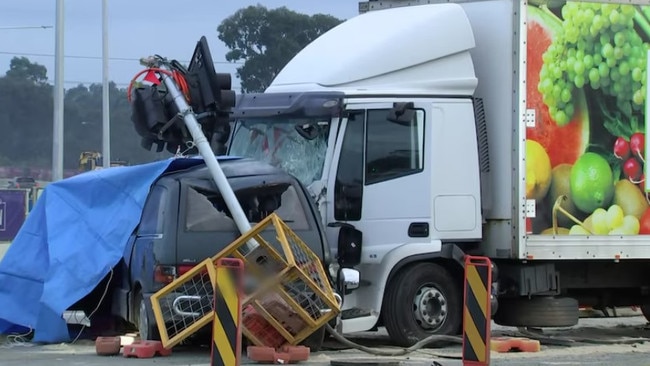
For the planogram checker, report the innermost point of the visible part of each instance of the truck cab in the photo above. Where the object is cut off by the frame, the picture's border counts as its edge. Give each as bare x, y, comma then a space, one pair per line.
387, 140
427, 130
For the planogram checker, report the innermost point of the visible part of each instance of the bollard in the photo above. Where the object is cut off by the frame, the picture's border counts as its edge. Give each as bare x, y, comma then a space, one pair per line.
477, 314
226, 325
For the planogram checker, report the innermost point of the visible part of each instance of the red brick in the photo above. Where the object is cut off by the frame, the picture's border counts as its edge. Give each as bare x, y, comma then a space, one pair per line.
145, 349
260, 354
107, 346
282, 358
507, 344
285, 354
296, 353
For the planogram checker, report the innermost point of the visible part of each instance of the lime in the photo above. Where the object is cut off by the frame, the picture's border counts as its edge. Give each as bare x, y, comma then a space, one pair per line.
592, 182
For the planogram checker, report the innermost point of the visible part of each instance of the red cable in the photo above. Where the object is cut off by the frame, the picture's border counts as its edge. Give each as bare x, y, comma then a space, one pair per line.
177, 76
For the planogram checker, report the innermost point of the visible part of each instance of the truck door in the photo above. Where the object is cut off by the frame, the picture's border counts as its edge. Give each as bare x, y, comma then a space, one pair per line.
379, 181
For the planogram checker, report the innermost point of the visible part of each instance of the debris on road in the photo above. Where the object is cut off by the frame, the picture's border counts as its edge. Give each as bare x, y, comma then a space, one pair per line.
285, 354
508, 344
146, 349
108, 346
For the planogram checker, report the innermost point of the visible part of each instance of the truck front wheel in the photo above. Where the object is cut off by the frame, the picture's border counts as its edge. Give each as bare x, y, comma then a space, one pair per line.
421, 300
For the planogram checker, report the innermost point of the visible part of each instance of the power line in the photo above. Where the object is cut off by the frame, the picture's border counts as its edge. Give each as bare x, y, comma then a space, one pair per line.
77, 82
29, 54
26, 27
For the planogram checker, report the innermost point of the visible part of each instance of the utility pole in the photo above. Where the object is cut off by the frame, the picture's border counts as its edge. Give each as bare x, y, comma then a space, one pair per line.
57, 136
106, 121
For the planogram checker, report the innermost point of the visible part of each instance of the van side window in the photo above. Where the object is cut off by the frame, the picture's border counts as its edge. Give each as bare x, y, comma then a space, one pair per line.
393, 150
348, 188
153, 214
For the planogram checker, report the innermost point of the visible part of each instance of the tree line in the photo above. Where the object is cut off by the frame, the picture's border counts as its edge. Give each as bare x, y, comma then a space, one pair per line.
264, 39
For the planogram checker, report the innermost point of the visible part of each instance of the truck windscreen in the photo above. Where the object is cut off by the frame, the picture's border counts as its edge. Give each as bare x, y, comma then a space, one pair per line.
295, 145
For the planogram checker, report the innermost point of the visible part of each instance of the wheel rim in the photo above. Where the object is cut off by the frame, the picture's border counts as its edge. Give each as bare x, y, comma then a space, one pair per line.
143, 322
430, 307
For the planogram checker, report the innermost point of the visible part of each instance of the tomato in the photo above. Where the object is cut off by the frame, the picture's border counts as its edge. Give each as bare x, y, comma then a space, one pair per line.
645, 223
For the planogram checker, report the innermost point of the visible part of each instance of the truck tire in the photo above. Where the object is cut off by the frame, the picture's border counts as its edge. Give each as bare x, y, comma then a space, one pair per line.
147, 328
434, 299
539, 312
315, 340
645, 310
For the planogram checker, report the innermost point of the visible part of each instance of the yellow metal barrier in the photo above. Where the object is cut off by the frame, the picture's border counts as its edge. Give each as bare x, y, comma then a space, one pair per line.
185, 305
293, 294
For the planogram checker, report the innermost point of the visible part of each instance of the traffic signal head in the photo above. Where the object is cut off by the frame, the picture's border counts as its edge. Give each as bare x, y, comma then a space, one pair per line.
226, 97
210, 95
154, 116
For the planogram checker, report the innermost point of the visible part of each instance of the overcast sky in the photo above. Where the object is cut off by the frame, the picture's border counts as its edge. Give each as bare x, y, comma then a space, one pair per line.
136, 28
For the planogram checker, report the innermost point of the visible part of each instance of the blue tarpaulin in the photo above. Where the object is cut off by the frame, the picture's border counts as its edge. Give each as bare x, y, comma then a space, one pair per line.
75, 234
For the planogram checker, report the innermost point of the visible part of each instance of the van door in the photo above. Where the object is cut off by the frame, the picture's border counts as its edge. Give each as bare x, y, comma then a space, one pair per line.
380, 180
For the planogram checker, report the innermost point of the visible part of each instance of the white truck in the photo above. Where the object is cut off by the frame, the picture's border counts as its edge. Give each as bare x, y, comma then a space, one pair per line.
427, 130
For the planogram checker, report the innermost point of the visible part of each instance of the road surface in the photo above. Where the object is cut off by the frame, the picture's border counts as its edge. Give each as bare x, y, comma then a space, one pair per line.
14, 353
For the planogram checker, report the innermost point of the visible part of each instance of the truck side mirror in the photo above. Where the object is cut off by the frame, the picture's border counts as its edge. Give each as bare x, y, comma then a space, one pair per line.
349, 245
307, 131
402, 113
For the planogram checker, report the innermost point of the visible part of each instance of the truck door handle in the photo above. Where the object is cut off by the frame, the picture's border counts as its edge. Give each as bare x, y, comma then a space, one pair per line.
419, 230
340, 224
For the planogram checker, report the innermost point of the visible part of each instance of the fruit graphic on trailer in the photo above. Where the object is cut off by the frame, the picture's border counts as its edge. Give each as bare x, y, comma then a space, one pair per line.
566, 143
629, 197
538, 171
592, 183
561, 186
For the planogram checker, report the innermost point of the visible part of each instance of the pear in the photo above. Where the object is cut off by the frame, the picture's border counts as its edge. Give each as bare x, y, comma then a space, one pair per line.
629, 197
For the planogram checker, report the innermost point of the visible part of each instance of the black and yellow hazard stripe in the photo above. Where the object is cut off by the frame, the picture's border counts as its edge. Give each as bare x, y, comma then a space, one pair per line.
226, 333
476, 317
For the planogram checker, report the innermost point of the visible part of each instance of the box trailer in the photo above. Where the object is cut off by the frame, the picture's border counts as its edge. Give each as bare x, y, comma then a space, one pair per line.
428, 130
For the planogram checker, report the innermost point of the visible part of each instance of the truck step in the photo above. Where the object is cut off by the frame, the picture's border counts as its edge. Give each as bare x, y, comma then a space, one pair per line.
354, 313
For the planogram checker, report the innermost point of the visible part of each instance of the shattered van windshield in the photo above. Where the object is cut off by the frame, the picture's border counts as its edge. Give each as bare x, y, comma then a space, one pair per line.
297, 146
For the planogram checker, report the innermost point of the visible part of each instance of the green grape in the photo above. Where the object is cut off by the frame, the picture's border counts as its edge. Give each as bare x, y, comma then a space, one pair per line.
594, 76
631, 225
598, 59
599, 222
598, 46
569, 109
619, 39
618, 231
607, 50
624, 68
588, 61
614, 216
579, 67
618, 53
578, 230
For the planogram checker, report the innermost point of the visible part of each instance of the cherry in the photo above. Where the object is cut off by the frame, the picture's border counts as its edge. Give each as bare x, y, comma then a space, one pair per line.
632, 169
638, 182
621, 148
637, 145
